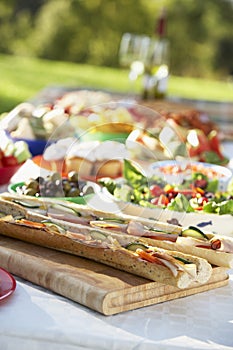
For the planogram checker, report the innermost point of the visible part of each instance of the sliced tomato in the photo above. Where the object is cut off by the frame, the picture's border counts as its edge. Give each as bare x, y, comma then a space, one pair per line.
163, 200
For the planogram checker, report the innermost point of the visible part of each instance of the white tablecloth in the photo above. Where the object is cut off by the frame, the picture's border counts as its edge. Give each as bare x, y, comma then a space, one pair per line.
33, 318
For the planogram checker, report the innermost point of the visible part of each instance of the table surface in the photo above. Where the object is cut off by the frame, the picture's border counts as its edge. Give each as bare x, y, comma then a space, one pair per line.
33, 318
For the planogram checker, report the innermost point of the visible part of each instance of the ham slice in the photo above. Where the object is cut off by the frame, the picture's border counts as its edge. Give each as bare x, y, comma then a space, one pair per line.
137, 229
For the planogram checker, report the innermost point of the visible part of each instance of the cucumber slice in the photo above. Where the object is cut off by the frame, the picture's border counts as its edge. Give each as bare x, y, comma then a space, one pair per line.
184, 261
136, 245
65, 209
198, 230
26, 204
119, 221
193, 232
97, 235
155, 229
19, 217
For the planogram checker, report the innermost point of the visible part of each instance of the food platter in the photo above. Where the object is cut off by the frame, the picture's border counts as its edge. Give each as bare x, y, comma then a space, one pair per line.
174, 171
147, 195
12, 188
7, 284
50, 227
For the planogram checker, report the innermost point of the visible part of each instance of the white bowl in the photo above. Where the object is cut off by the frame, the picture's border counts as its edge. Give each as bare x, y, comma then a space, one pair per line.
183, 169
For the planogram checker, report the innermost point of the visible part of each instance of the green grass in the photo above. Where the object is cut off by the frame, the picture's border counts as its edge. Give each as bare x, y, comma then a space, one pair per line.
23, 77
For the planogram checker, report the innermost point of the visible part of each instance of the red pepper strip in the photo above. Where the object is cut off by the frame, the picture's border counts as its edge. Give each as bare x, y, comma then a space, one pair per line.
31, 223
163, 237
203, 246
200, 190
148, 257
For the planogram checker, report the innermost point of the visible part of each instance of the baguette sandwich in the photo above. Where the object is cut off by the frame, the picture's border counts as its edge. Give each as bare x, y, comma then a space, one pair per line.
118, 250
216, 249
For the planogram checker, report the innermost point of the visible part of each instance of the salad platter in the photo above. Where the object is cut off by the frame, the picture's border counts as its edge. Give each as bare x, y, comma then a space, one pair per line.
197, 198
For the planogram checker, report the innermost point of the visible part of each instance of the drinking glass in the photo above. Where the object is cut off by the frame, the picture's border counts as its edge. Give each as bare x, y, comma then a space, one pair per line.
156, 67
132, 55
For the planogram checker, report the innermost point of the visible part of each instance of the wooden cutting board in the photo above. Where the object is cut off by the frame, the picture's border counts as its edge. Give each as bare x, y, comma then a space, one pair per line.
97, 286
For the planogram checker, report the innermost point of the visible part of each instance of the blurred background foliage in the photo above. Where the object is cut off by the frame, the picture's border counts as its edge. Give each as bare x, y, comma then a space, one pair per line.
89, 31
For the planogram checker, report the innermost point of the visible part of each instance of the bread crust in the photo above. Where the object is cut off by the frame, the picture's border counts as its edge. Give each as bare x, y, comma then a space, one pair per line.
212, 256
113, 256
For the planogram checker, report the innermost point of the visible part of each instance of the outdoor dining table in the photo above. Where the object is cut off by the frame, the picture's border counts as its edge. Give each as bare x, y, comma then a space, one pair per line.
34, 318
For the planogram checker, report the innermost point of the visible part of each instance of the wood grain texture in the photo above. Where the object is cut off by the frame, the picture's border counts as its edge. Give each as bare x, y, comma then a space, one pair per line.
97, 286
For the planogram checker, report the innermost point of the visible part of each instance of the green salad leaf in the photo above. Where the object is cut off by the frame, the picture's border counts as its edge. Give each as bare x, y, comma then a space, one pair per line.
109, 183
133, 176
212, 186
221, 208
226, 207
124, 192
180, 203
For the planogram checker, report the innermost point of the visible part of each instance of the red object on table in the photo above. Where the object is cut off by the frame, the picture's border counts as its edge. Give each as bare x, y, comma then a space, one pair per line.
7, 172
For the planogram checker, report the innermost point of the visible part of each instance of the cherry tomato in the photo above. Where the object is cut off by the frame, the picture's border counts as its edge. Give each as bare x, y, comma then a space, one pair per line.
156, 190
201, 183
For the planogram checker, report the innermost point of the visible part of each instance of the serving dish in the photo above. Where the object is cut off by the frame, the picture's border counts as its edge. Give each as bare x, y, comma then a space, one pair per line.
13, 188
7, 284
177, 171
36, 147
196, 202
